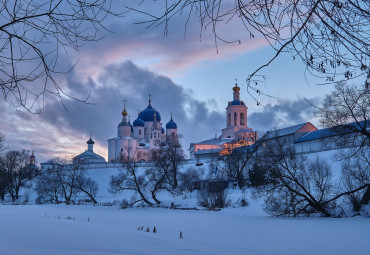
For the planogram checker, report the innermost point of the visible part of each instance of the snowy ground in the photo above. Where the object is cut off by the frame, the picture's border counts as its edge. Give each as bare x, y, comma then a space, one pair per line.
80, 230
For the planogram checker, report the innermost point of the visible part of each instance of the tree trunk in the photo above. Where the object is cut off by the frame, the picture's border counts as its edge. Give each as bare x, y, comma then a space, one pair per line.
366, 197
90, 196
174, 178
155, 198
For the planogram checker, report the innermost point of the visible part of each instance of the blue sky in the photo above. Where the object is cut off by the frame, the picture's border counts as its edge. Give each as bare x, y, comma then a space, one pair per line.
186, 76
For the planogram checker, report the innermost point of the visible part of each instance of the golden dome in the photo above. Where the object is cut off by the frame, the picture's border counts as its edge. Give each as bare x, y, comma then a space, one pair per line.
236, 88
124, 112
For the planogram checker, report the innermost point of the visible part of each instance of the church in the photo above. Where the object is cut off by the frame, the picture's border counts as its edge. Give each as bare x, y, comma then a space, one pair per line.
235, 134
141, 140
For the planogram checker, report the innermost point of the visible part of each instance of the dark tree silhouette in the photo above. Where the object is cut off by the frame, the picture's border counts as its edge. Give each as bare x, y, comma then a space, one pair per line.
17, 172
329, 36
346, 110
33, 33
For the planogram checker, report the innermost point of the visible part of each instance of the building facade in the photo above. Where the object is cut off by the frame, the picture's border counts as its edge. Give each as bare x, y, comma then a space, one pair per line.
235, 134
142, 140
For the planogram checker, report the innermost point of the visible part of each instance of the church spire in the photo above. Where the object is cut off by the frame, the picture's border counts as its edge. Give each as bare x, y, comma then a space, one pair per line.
124, 112
236, 90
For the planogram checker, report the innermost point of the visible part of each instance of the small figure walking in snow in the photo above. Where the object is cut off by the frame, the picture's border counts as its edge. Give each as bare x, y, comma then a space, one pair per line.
154, 230
181, 234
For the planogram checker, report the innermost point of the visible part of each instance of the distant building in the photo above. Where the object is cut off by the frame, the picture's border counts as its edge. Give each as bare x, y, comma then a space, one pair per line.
89, 156
142, 140
235, 134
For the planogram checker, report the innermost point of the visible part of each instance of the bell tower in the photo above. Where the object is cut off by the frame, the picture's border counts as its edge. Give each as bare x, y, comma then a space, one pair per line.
236, 115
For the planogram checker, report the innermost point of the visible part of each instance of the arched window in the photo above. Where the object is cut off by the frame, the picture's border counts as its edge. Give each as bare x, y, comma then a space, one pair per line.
235, 119
173, 134
151, 135
229, 119
242, 119
139, 131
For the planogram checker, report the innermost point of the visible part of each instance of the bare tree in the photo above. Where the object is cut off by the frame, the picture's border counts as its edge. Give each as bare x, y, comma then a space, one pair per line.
131, 179
344, 105
346, 111
17, 172
33, 33
329, 36
63, 180
48, 187
297, 186
236, 163
88, 186
172, 154
2, 144
187, 179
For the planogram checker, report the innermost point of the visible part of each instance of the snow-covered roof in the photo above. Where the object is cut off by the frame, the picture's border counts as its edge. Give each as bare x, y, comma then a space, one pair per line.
333, 131
88, 155
121, 138
216, 141
284, 131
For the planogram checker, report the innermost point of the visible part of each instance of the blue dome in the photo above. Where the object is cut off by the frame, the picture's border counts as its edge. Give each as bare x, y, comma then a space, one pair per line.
90, 141
138, 122
148, 114
171, 125
236, 102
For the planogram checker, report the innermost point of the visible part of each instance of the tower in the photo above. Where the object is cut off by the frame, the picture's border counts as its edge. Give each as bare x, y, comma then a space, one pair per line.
236, 115
171, 129
138, 126
124, 128
32, 158
90, 144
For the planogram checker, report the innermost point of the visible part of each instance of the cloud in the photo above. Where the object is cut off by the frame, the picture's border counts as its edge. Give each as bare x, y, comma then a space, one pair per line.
173, 53
284, 114
58, 132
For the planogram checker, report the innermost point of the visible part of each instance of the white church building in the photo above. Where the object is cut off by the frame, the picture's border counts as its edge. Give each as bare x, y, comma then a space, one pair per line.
141, 140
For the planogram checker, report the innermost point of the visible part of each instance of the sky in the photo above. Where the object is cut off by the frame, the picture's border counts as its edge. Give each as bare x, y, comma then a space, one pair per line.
185, 74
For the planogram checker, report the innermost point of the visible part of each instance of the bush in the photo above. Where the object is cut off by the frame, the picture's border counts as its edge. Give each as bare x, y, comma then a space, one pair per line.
211, 200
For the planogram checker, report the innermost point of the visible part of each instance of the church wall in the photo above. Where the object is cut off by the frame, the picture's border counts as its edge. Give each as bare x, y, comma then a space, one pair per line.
111, 150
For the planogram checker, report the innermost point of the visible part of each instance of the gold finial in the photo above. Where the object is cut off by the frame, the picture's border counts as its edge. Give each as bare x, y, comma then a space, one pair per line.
150, 98
171, 115
124, 112
236, 88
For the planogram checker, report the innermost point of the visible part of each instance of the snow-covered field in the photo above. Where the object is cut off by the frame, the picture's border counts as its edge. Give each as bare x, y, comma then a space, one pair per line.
97, 230
80, 230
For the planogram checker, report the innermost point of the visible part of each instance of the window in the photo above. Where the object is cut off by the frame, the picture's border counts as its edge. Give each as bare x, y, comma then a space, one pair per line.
139, 131
242, 119
229, 119
151, 135
173, 134
235, 119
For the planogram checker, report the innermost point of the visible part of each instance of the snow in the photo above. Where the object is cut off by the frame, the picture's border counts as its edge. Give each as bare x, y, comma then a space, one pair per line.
80, 230
88, 229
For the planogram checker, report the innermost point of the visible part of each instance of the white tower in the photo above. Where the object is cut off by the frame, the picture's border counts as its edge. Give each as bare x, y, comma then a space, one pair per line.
236, 115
